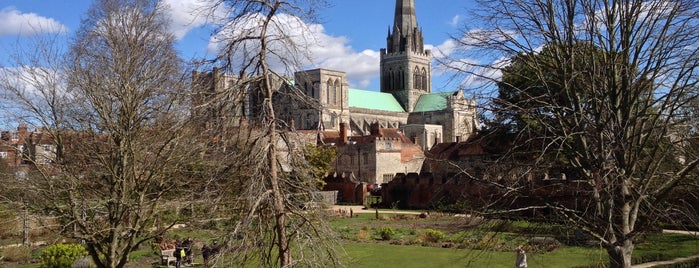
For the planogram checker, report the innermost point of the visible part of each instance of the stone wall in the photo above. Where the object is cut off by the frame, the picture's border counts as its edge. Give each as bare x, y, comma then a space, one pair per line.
425, 191
349, 190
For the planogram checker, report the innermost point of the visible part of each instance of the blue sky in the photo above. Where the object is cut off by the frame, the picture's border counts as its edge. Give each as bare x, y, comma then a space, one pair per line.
353, 30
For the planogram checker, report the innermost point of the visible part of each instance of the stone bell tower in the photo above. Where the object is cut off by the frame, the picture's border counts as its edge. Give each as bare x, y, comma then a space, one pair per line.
405, 64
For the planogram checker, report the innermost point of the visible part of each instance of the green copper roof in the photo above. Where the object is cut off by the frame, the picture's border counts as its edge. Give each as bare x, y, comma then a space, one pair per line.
373, 100
432, 102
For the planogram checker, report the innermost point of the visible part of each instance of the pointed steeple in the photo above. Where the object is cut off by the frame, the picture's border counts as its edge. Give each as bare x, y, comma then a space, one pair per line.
406, 35
405, 64
405, 20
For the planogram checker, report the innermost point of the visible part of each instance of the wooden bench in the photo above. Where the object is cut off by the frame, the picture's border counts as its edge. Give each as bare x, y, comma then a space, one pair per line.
166, 256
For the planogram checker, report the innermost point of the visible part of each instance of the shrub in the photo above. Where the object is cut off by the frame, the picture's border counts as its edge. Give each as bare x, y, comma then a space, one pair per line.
19, 254
211, 225
386, 233
485, 241
362, 234
61, 255
432, 236
84, 262
544, 244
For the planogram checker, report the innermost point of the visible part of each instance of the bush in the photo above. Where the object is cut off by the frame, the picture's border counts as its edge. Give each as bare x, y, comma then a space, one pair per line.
363, 234
432, 236
61, 255
386, 233
484, 241
544, 244
84, 262
212, 225
19, 254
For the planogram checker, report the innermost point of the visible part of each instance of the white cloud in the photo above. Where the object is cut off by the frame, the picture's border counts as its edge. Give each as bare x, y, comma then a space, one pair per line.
26, 91
443, 50
455, 21
325, 51
360, 67
186, 15
13, 22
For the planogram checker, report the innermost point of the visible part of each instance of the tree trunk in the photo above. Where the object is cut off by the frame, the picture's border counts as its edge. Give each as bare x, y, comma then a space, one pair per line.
282, 242
620, 255
25, 226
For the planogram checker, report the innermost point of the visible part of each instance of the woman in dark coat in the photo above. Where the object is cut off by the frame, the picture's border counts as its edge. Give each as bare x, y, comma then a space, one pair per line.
206, 253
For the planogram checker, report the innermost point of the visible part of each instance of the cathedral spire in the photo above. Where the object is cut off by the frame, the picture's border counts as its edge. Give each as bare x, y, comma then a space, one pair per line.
405, 64
405, 20
406, 35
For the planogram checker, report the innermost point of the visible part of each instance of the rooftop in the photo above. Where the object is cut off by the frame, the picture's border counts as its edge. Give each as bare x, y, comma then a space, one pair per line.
373, 100
433, 102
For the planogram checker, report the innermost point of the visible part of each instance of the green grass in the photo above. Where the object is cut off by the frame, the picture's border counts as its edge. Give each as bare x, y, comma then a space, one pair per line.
364, 249
367, 251
666, 247
384, 255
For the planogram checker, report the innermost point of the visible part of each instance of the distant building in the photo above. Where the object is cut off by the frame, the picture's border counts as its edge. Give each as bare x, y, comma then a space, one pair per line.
374, 158
22, 147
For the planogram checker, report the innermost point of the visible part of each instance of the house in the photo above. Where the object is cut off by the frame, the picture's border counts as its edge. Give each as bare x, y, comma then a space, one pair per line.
21, 147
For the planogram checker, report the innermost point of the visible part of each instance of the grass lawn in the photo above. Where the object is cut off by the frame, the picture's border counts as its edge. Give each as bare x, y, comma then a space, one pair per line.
384, 255
407, 248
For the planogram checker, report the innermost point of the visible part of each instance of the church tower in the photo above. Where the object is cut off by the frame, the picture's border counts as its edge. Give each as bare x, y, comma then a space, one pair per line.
405, 64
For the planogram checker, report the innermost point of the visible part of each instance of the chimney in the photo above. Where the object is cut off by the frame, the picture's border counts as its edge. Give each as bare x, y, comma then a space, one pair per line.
343, 133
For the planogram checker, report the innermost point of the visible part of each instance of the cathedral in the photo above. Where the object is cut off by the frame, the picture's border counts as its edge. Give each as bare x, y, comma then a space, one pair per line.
405, 100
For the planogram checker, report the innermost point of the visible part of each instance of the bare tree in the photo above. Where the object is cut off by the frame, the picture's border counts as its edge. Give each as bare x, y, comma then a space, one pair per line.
114, 106
261, 44
605, 88
33, 91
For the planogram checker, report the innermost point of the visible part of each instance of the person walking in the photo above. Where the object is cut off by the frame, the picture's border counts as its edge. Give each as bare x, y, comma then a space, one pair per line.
179, 256
187, 244
521, 258
206, 253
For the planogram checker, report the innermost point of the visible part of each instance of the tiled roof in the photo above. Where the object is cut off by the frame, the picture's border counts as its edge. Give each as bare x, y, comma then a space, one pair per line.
373, 100
408, 152
433, 102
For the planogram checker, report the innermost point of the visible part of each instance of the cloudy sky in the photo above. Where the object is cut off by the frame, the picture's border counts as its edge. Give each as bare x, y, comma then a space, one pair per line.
351, 33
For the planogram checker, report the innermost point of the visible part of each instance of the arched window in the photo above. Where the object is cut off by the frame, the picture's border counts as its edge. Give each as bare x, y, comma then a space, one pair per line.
391, 80
420, 78
384, 80
336, 91
417, 78
329, 87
